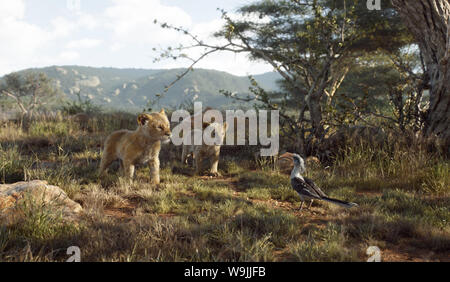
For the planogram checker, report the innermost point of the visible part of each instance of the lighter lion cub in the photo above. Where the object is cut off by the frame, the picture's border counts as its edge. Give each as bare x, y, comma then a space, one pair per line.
139, 146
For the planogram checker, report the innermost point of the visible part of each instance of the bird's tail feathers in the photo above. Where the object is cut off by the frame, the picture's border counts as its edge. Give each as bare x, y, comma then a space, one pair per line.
340, 202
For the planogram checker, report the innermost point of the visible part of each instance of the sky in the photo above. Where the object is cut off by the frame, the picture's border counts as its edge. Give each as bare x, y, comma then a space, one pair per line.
111, 33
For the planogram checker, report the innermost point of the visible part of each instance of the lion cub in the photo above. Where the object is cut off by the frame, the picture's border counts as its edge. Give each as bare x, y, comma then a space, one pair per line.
139, 146
206, 157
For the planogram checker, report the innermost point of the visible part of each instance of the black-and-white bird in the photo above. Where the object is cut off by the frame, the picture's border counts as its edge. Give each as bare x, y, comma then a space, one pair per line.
307, 189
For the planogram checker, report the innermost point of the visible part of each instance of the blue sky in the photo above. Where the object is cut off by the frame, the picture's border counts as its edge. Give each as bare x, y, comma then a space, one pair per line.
110, 33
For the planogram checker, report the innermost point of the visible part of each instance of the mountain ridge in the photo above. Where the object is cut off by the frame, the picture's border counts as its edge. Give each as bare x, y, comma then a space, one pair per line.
135, 88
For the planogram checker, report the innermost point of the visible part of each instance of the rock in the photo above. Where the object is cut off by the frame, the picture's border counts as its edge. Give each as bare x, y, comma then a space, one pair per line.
91, 81
40, 194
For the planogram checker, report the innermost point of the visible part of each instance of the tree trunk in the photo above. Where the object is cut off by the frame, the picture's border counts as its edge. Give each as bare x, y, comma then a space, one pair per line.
429, 22
315, 112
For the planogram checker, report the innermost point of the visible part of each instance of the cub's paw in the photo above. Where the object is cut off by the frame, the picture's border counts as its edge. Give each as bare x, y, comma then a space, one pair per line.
213, 174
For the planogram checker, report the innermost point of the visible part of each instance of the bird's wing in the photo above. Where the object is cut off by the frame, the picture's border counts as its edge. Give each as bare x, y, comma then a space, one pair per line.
315, 187
303, 188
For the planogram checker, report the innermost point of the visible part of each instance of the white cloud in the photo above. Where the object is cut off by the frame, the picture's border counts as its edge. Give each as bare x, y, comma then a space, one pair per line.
235, 63
84, 43
12, 10
69, 56
133, 20
116, 47
62, 27
19, 38
87, 21
26, 45
125, 28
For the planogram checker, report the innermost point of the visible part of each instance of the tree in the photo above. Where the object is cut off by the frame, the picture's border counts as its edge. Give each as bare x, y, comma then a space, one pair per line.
387, 89
80, 105
29, 91
429, 22
311, 44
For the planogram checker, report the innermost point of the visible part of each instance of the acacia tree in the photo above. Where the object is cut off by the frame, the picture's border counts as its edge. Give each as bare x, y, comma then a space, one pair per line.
29, 91
406, 89
311, 44
429, 22
384, 89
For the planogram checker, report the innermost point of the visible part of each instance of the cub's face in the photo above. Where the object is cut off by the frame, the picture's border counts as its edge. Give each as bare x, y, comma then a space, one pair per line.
155, 126
218, 132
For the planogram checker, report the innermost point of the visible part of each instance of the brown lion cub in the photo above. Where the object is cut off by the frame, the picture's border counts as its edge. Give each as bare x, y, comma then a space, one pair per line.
206, 157
139, 146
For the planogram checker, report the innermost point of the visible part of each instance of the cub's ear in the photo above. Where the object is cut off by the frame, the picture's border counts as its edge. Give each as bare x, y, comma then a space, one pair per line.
225, 126
162, 112
142, 119
205, 125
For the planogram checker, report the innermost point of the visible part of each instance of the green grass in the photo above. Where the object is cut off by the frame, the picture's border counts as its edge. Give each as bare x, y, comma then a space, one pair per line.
39, 235
13, 165
50, 129
411, 169
247, 215
326, 244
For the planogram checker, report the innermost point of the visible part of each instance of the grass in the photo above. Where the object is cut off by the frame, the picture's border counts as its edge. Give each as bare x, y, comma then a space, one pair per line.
327, 244
410, 169
249, 214
38, 235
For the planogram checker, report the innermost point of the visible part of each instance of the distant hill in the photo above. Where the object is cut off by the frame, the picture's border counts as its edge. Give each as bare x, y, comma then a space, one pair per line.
131, 89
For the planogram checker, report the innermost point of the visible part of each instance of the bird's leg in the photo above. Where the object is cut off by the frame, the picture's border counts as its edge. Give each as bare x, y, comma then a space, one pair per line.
301, 206
310, 204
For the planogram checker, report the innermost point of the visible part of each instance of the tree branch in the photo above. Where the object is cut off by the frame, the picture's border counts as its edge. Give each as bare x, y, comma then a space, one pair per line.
18, 100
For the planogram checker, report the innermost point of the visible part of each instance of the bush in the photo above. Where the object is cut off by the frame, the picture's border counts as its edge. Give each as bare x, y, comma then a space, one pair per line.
80, 106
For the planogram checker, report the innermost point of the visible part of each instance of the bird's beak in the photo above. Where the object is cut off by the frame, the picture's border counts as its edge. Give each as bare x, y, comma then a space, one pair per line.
286, 158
